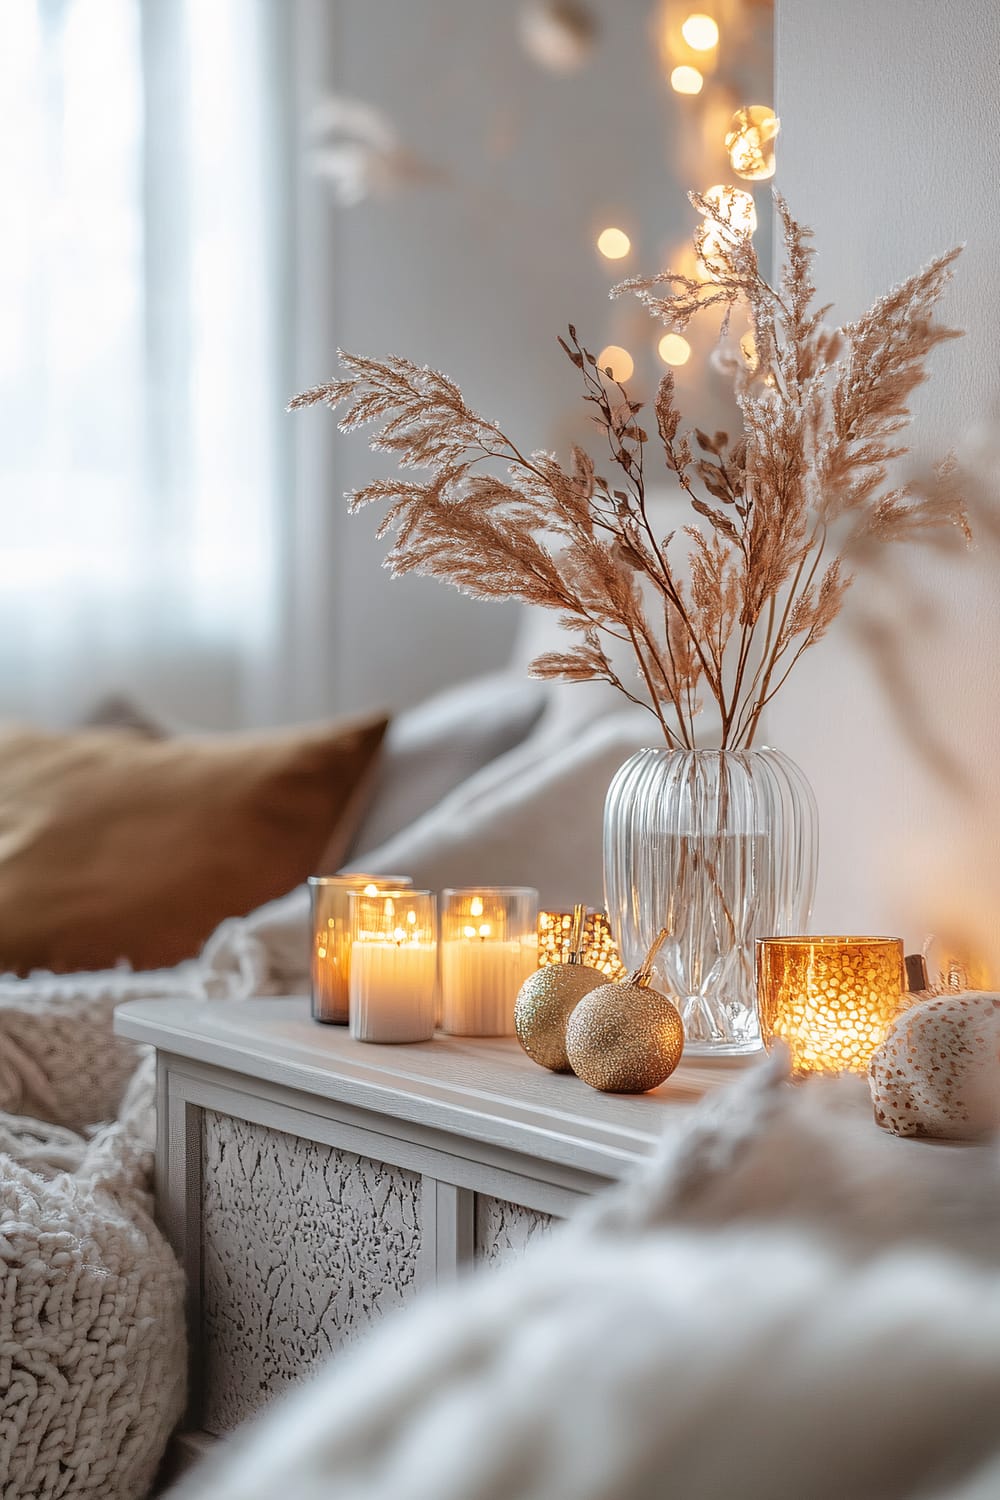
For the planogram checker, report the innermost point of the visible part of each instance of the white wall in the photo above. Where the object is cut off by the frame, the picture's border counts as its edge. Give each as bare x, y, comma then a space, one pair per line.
891, 150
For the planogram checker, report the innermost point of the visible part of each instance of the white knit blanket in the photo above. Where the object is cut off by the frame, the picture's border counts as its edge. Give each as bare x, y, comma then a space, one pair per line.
787, 1305
92, 1347
92, 1341
59, 1058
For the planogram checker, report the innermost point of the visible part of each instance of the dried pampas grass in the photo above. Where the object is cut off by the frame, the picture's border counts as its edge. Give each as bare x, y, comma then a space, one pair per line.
783, 511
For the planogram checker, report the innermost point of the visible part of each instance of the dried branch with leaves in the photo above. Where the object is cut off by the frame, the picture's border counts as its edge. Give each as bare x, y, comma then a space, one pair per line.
782, 512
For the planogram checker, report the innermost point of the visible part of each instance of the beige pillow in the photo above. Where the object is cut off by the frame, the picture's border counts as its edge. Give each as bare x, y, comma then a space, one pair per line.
114, 846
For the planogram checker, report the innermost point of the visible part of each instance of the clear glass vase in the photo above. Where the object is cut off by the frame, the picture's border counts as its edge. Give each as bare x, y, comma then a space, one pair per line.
719, 847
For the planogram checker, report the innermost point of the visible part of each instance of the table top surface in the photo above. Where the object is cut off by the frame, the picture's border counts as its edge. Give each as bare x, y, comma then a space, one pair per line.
486, 1089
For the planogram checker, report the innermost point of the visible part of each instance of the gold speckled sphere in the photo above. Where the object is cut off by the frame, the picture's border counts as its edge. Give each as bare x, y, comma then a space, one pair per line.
624, 1038
544, 1005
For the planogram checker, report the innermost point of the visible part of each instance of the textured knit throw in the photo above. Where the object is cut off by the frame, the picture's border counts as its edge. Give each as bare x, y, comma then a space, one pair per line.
92, 1347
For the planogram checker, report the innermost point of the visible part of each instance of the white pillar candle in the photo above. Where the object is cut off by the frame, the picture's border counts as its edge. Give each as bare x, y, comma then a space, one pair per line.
393, 979
480, 980
489, 946
392, 991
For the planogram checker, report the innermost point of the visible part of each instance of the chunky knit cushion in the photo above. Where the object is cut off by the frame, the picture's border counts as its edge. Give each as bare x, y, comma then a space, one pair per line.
92, 1344
91, 1316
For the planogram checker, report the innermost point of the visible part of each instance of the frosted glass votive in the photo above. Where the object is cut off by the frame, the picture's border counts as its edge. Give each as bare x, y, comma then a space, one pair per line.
489, 946
830, 999
393, 983
330, 954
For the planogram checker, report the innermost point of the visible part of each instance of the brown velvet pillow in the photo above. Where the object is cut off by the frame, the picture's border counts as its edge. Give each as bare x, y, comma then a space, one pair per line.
114, 846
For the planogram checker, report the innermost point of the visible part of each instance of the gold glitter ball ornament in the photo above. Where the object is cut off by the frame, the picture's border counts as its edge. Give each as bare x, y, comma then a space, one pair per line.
625, 1038
547, 998
545, 1003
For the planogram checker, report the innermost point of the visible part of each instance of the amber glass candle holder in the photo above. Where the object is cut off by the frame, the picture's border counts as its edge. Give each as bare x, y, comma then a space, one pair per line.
599, 950
330, 953
830, 999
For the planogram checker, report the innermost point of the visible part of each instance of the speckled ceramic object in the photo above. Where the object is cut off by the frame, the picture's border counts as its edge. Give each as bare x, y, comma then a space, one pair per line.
938, 1071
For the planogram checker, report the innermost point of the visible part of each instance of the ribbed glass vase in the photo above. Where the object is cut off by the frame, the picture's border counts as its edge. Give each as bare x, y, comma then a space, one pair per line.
719, 847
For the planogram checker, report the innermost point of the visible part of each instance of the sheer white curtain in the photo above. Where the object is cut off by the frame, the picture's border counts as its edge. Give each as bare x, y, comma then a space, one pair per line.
143, 367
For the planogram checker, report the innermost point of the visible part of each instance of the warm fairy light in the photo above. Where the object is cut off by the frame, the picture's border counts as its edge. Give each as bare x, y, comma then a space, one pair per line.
734, 207
673, 349
700, 32
734, 219
476, 906
619, 361
370, 890
613, 243
555, 934
750, 141
831, 1000
686, 80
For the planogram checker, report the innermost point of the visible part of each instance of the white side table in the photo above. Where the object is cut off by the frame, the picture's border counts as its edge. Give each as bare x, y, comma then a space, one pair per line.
309, 1182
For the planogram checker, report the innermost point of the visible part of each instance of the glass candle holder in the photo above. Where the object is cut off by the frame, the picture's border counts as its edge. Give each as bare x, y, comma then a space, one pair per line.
393, 980
831, 999
330, 956
489, 946
599, 951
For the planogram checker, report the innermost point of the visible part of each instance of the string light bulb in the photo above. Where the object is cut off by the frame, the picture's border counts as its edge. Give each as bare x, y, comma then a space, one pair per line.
730, 218
750, 142
673, 349
700, 32
686, 80
618, 360
613, 243
734, 207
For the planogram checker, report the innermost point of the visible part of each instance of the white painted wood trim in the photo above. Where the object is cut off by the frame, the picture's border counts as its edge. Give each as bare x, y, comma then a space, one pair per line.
479, 1092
